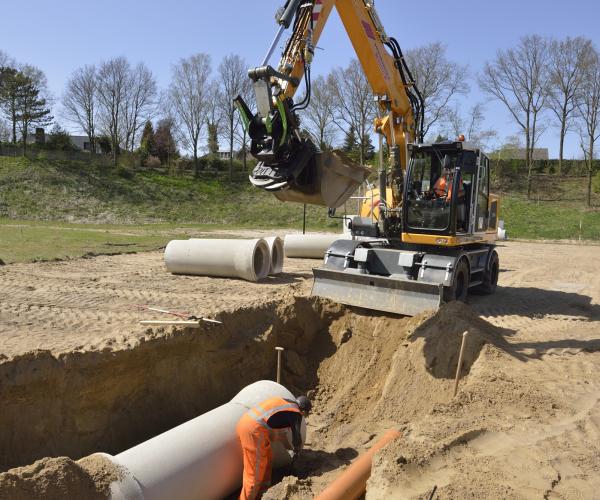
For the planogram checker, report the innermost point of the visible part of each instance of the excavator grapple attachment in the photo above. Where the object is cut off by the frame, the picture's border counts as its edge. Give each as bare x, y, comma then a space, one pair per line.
378, 293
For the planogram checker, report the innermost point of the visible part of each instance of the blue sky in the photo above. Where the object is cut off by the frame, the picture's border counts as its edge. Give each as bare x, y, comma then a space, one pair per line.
61, 36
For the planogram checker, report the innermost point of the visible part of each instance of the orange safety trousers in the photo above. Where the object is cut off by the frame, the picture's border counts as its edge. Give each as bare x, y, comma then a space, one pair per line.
258, 458
255, 438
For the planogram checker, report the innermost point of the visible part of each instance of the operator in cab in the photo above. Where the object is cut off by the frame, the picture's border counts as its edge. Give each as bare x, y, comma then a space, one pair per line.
257, 429
443, 186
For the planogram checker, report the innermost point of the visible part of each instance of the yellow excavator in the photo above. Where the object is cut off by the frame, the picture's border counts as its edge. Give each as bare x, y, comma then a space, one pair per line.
425, 233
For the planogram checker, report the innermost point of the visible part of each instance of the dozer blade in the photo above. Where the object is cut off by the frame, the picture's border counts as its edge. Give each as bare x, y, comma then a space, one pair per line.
378, 293
329, 180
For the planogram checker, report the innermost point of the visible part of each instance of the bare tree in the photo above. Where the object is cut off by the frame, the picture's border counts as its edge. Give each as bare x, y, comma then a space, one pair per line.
567, 61
140, 103
320, 113
80, 102
588, 106
354, 102
113, 78
233, 76
6, 61
470, 125
189, 95
438, 80
518, 78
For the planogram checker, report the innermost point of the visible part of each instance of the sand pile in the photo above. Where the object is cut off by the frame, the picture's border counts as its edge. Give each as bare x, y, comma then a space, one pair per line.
60, 478
382, 372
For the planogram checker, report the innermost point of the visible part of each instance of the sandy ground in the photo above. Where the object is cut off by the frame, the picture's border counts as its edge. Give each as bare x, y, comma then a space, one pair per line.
526, 422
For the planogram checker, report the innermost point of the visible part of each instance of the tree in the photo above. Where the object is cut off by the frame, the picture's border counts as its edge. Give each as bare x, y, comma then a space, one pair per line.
588, 106
31, 108
147, 142
366, 145
11, 80
320, 113
213, 138
140, 103
166, 147
518, 78
113, 79
350, 141
233, 76
438, 80
80, 102
189, 96
59, 140
354, 103
470, 125
568, 59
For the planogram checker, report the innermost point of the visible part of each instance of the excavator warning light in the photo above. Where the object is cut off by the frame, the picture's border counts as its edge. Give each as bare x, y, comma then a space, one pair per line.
461, 138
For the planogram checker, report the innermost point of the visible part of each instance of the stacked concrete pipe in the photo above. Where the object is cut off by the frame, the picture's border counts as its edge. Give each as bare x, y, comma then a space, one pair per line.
276, 250
201, 459
309, 246
246, 259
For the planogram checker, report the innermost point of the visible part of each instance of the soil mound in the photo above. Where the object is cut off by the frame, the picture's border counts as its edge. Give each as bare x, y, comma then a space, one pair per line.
60, 478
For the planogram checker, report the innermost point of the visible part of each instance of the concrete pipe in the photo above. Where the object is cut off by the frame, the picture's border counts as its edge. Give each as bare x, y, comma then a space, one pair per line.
246, 259
352, 483
276, 251
309, 246
199, 460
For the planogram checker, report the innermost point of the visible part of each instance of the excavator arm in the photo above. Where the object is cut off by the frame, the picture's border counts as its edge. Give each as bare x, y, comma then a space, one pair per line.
290, 164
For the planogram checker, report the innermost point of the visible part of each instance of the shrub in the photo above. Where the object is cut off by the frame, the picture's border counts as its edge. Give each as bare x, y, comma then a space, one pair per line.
152, 162
596, 183
125, 173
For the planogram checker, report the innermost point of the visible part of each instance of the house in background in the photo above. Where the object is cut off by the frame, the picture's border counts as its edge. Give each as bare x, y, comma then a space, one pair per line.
80, 142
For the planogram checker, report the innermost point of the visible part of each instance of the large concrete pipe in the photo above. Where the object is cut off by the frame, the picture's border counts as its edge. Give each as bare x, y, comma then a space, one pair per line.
276, 251
353, 481
246, 259
309, 246
199, 460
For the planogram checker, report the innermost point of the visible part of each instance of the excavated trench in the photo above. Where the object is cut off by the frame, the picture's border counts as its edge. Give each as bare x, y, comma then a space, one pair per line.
361, 370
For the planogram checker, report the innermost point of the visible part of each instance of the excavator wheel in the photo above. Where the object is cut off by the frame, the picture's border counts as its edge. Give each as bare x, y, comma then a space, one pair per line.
460, 285
490, 277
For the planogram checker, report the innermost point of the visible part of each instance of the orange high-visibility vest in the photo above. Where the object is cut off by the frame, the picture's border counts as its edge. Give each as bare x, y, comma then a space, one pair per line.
255, 438
443, 188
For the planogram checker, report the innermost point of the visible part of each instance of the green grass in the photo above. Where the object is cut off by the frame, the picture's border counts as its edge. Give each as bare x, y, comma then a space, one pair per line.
548, 220
67, 209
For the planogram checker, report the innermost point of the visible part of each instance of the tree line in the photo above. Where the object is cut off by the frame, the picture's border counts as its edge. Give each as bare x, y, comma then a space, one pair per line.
542, 83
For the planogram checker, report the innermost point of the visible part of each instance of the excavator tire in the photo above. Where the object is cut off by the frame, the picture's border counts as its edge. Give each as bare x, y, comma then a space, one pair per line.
490, 277
460, 285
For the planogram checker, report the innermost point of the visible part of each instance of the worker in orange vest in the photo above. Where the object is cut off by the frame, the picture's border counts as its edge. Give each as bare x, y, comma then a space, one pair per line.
443, 186
256, 430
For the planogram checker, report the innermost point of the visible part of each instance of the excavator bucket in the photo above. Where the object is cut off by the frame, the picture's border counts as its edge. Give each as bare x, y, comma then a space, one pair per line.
329, 179
378, 293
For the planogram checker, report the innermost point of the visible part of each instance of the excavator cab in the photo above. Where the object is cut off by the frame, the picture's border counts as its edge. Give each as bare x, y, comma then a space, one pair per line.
443, 246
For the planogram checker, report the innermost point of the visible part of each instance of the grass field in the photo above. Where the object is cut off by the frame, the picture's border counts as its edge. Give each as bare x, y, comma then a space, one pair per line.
57, 210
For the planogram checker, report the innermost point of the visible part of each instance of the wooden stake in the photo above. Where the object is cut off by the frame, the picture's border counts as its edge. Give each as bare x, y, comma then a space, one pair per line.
460, 361
279, 351
187, 324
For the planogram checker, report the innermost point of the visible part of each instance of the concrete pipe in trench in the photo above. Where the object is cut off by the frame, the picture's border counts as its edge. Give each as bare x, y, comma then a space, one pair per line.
276, 250
198, 460
246, 259
309, 246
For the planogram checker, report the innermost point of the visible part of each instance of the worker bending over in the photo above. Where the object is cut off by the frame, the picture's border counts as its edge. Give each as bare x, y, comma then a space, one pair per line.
259, 427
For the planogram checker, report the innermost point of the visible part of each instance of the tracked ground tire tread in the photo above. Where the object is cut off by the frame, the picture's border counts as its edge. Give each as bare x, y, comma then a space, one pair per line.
460, 284
490, 276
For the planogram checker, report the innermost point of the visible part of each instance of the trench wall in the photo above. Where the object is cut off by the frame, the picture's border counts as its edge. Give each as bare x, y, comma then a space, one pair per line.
79, 403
